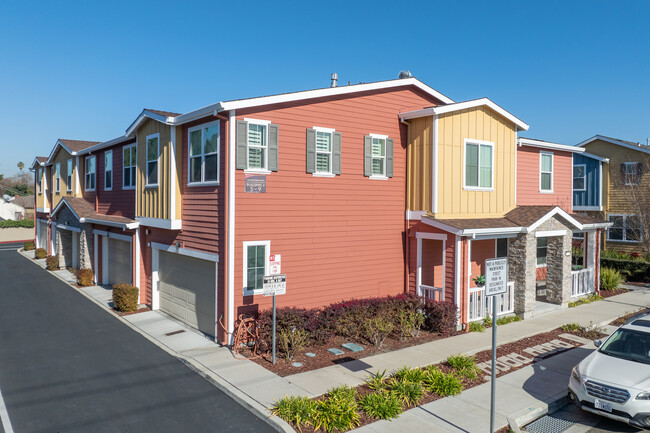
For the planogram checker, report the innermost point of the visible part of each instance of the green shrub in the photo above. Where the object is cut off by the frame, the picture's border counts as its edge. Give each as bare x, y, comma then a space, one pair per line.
52, 263
464, 366
125, 297
381, 405
409, 392
570, 327
586, 300
85, 277
610, 279
409, 374
9, 224
442, 384
29, 245
40, 253
476, 327
409, 323
296, 410
636, 268
377, 328
338, 410
292, 341
377, 381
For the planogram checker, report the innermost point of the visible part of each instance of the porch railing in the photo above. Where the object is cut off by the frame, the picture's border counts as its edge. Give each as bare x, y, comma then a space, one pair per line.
582, 282
433, 293
480, 305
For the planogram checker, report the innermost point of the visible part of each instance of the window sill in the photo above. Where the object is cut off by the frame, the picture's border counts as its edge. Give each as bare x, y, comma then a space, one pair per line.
541, 266
623, 241
252, 292
545, 192
152, 186
126, 188
108, 189
323, 175
212, 183
375, 177
250, 171
471, 188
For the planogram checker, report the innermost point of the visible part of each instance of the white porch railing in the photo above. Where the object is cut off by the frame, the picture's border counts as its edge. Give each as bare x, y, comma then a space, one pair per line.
480, 305
433, 293
582, 282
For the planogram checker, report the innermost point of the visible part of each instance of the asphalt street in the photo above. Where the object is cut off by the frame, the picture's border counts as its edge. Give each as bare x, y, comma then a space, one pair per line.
67, 365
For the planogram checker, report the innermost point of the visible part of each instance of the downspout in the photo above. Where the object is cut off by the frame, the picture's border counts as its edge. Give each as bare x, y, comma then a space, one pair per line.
232, 124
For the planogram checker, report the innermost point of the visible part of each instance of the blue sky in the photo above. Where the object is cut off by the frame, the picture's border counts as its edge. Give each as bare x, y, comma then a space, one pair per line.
85, 69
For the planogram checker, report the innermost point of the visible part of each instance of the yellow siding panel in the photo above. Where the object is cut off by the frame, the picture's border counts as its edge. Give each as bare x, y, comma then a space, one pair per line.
179, 170
479, 124
419, 159
153, 202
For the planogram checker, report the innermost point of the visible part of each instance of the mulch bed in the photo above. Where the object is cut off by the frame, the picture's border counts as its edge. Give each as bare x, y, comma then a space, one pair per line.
621, 320
128, 313
324, 358
608, 293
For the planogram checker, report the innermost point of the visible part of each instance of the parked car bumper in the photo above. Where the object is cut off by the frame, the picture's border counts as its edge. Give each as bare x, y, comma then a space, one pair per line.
633, 412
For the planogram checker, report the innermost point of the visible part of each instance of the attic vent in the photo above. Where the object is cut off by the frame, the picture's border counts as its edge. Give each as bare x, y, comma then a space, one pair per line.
405, 74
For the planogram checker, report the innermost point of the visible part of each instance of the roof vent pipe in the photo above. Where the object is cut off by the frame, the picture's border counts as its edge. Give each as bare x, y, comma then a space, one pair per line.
335, 78
648, 142
405, 74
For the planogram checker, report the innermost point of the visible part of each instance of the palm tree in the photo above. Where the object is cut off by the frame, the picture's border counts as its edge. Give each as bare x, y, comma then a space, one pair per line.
21, 165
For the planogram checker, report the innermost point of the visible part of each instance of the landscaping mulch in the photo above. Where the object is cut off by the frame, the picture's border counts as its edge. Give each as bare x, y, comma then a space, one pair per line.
128, 313
609, 293
621, 320
324, 358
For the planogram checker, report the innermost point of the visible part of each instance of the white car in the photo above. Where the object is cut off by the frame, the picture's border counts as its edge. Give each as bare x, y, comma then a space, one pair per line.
614, 381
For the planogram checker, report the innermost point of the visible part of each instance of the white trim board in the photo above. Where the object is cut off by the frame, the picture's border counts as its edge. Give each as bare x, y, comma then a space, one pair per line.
521, 141
431, 236
159, 223
614, 141
550, 233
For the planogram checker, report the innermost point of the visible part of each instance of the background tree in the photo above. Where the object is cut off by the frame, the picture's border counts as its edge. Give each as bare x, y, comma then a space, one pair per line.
21, 165
632, 180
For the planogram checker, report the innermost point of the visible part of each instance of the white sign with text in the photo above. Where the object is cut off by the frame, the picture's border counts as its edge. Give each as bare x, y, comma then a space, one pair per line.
496, 276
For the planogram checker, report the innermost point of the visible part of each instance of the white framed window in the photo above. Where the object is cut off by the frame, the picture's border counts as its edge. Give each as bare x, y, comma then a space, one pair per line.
580, 177
546, 172
257, 144
542, 248
479, 163
203, 151
153, 148
39, 180
625, 228
129, 161
256, 265
108, 170
631, 173
68, 178
90, 170
378, 155
57, 175
324, 143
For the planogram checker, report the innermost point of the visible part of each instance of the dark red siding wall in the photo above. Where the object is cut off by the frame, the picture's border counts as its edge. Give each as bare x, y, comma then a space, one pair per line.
118, 201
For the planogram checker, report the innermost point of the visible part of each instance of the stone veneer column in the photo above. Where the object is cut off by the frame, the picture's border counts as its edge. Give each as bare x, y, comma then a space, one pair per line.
558, 270
522, 253
85, 249
59, 248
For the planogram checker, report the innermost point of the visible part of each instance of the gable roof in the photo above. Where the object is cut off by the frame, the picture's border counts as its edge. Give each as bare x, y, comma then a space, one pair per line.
325, 92
596, 157
85, 213
623, 143
166, 117
450, 108
39, 160
73, 147
532, 142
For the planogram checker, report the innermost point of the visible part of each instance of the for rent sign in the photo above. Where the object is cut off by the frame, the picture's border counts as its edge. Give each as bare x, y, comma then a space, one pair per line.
496, 276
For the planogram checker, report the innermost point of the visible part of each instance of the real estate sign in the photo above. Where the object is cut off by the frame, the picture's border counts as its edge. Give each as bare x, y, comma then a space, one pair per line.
496, 276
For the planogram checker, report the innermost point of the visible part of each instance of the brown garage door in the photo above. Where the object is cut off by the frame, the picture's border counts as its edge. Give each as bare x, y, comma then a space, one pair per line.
187, 290
119, 261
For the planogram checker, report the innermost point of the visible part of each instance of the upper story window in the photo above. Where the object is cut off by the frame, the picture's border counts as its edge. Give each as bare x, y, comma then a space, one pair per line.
108, 170
57, 177
631, 172
203, 144
256, 256
323, 152
378, 156
625, 228
479, 161
39, 180
152, 159
69, 176
257, 146
545, 172
129, 161
90, 171
579, 177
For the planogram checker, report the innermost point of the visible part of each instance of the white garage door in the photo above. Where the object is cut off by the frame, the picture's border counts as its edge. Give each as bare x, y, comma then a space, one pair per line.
42, 235
187, 290
119, 261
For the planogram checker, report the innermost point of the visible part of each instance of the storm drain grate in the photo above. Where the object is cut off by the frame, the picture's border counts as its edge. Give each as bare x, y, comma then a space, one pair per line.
548, 424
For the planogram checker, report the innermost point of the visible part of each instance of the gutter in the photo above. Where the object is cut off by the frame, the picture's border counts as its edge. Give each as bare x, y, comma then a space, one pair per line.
123, 226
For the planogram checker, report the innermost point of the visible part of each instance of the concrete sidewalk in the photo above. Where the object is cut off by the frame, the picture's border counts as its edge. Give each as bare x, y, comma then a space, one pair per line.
523, 395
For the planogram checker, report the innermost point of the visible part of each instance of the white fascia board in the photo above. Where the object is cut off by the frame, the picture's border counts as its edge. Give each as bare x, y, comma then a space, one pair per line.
68, 228
550, 233
614, 141
159, 223
54, 149
415, 214
124, 226
597, 226
186, 252
146, 113
493, 231
61, 203
332, 91
596, 157
36, 162
556, 211
481, 102
437, 224
548, 145
108, 143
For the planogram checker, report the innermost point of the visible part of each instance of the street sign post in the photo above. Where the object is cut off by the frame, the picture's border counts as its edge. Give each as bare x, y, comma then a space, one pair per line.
274, 285
496, 283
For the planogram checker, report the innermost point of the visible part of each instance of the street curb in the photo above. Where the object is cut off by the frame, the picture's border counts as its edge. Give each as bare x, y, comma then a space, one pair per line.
223, 385
518, 421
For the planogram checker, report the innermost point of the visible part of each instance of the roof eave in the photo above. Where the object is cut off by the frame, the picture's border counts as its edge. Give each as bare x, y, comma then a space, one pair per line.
548, 145
124, 226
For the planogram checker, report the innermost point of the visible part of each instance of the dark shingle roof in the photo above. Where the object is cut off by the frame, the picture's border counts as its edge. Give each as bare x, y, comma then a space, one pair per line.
77, 145
85, 209
164, 113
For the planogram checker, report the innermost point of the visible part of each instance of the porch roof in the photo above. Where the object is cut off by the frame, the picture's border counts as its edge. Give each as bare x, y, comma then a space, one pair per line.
522, 219
85, 213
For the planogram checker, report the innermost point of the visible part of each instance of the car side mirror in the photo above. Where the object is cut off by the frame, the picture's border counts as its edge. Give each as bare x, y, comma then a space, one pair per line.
598, 343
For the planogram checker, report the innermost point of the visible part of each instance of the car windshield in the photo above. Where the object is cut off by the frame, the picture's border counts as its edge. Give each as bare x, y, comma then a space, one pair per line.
628, 344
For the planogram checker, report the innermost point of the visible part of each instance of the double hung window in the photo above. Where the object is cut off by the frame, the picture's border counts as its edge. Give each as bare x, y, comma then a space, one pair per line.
152, 159
57, 177
108, 170
257, 146
546, 172
542, 246
625, 228
39, 175
256, 256
631, 173
378, 156
69, 176
204, 153
128, 166
479, 160
579, 177
90, 169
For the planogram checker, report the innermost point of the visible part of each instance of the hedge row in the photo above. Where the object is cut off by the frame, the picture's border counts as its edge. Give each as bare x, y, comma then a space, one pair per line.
7, 224
633, 270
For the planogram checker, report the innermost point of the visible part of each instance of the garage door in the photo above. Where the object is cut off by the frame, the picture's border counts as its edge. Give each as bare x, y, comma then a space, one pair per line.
187, 290
42, 235
119, 261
